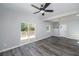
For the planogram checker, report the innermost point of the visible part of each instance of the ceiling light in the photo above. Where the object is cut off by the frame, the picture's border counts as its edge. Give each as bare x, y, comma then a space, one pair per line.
42, 11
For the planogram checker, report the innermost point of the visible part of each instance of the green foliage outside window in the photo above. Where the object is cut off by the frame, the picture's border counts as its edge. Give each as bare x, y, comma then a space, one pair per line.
26, 27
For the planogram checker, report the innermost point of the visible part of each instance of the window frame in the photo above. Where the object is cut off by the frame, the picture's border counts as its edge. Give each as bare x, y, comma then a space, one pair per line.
28, 37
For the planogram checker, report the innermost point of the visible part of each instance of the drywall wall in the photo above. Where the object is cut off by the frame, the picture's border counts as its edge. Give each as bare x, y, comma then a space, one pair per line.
55, 25
69, 27
1, 28
10, 21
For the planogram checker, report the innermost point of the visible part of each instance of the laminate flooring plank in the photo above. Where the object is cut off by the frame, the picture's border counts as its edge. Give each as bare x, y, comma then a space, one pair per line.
51, 46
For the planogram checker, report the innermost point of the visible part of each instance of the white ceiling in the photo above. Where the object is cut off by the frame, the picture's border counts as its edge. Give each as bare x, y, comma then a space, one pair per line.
59, 8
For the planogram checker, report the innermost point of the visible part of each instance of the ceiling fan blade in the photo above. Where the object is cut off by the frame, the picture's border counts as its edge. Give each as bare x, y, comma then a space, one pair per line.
43, 14
35, 7
46, 5
36, 12
48, 10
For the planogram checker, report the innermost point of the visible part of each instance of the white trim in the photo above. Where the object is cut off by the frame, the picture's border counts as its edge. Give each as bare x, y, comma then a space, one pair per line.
29, 42
12, 47
62, 15
23, 43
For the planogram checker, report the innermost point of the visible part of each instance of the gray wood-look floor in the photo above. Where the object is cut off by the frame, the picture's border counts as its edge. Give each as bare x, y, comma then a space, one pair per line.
52, 46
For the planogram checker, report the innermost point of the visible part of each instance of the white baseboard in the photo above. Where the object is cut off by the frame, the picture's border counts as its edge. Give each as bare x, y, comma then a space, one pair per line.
23, 43
27, 42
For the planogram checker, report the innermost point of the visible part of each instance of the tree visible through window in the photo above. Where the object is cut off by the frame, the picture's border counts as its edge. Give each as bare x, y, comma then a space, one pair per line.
27, 31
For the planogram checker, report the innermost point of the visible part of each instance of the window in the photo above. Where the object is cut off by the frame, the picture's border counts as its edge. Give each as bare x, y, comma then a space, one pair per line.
27, 31
48, 28
56, 25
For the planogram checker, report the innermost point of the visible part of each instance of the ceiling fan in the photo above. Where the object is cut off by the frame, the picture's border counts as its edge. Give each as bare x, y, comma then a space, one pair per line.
42, 9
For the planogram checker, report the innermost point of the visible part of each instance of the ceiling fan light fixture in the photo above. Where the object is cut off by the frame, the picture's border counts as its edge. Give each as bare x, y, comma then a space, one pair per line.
42, 11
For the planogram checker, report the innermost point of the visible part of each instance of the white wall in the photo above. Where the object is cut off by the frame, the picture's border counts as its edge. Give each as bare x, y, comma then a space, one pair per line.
10, 22
55, 25
1, 28
72, 26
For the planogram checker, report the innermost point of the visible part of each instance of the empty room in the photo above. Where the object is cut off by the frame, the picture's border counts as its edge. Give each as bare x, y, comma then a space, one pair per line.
39, 29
